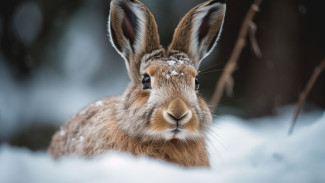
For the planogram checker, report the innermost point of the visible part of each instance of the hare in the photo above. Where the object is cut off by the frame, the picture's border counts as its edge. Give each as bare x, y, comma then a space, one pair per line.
161, 113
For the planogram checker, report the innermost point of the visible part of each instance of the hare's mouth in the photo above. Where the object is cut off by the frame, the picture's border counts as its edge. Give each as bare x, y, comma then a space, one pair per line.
180, 133
176, 130
180, 122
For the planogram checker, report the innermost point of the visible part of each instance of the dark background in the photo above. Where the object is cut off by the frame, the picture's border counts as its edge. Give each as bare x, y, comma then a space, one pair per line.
55, 58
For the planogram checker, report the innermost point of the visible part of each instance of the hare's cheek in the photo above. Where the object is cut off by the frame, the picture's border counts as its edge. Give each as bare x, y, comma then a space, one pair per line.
141, 99
158, 122
204, 109
193, 124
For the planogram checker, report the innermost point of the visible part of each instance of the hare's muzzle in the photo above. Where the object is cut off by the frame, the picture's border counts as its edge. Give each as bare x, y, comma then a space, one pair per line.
177, 113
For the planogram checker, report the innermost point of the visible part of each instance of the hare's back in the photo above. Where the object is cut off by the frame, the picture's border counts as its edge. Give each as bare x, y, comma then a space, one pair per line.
76, 135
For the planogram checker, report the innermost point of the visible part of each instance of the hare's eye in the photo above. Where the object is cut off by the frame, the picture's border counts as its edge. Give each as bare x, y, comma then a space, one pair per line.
146, 82
197, 84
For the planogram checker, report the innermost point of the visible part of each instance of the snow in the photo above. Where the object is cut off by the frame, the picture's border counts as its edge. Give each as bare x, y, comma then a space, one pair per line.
62, 133
180, 61
81, 138
167, 76
171, 62
99, 103
255, 150
173, 73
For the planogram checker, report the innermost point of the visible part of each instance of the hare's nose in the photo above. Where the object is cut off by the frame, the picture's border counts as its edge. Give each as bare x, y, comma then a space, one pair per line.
177, 112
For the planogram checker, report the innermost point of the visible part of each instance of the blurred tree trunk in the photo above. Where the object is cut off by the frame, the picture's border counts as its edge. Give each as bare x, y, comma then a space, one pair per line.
290, 53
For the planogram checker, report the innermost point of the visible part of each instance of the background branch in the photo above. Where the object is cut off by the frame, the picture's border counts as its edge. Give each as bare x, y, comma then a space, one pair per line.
303, 96
253, 40
232, 62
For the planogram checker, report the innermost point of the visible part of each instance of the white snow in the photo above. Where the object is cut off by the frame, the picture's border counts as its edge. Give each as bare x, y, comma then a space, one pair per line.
256, 150
99, 103
167, 76
171, 62
173, 73
81, 138
62, 133
180, 61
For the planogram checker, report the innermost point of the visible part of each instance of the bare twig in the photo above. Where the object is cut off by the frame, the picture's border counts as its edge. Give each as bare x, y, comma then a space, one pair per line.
229, 86
303, 95
232, 62
253, 40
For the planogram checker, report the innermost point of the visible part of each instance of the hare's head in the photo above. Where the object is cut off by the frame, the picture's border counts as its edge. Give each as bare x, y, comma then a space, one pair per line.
162, 101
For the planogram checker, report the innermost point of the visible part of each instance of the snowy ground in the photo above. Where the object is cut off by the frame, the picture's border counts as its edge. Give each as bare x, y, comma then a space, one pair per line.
259, 152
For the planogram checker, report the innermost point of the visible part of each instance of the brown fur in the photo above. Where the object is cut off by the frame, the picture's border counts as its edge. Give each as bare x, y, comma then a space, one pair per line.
168, 121
182, 41
151, 40
177, 108
96, 124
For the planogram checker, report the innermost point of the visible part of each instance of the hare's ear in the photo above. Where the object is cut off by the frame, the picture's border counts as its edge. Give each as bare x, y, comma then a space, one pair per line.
199, 30
133, 30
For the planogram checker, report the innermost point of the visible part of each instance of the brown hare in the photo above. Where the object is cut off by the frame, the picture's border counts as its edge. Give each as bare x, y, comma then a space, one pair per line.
161, 113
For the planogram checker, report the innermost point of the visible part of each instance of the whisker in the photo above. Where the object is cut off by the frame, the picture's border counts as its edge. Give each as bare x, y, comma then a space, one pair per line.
206, 72
215, 142
215, 65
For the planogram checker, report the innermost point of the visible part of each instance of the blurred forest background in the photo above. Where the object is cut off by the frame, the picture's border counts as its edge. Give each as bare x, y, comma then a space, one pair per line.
55, 58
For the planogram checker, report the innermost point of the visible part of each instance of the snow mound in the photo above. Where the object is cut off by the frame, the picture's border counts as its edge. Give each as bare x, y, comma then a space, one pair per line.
257, 150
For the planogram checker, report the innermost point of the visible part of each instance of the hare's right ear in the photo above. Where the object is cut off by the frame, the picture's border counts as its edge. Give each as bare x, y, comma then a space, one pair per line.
133, 31
199, 30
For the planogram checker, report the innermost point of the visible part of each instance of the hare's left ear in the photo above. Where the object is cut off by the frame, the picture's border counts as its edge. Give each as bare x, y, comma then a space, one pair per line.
199, 30
133, 32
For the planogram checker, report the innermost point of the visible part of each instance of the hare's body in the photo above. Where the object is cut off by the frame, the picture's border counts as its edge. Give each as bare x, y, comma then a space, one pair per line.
94, 131
161, 114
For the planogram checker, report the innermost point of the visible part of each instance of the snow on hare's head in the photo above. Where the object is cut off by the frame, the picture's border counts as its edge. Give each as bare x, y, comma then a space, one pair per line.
162, 101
